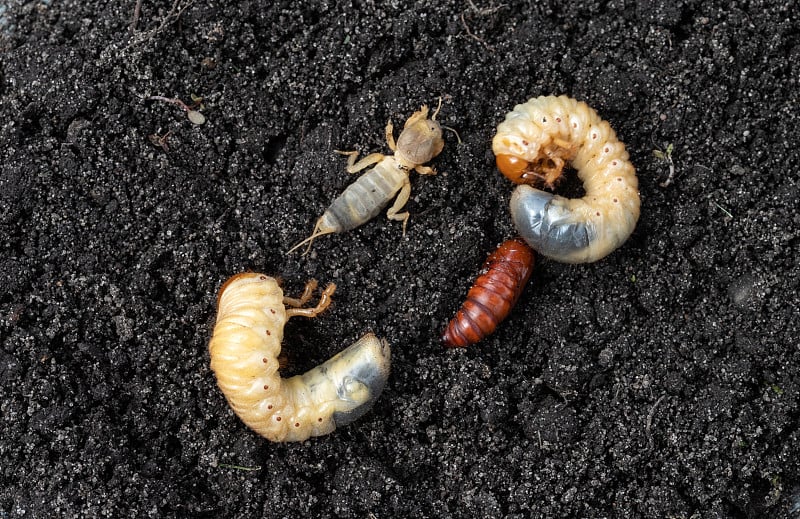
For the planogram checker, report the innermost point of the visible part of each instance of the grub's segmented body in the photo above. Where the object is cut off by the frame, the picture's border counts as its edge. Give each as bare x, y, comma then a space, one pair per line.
494, 294
244, 356
533, 144
419, 142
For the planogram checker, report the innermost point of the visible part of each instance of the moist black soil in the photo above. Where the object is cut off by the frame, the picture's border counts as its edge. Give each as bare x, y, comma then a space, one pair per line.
661, 381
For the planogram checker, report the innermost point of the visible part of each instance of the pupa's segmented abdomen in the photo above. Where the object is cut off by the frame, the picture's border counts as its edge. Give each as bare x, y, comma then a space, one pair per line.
244, 353
533, 144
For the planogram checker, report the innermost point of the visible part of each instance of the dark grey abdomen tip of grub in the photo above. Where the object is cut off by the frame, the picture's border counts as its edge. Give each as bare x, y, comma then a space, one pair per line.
370, 370
341, 418
549, 229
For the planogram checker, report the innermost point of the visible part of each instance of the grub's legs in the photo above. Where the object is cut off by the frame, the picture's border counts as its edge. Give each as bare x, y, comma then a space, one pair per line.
296, 303
355, 167
400, 202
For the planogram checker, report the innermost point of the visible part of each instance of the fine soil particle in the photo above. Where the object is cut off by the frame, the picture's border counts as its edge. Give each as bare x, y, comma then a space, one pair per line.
661, 381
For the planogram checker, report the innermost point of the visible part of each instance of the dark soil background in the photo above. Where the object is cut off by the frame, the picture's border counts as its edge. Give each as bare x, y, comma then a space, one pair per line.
661, 381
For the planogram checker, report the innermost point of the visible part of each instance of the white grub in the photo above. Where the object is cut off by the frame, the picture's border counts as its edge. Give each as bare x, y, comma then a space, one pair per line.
244, 349
532, 146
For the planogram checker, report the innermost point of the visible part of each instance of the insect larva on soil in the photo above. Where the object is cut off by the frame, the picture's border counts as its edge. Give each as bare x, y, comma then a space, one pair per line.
251, 314
495, 292
532, 146
419, 142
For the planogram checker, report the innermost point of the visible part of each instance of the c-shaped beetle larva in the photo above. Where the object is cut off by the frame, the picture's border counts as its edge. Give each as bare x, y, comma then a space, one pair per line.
419, 142
251, 313
532, 146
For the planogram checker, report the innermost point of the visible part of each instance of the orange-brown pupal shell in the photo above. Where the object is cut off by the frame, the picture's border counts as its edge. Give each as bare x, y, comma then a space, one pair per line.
494, 294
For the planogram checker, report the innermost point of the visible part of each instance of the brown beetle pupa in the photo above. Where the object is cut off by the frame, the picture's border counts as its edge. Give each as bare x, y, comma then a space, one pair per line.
244, 348
532, 146
489, 301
